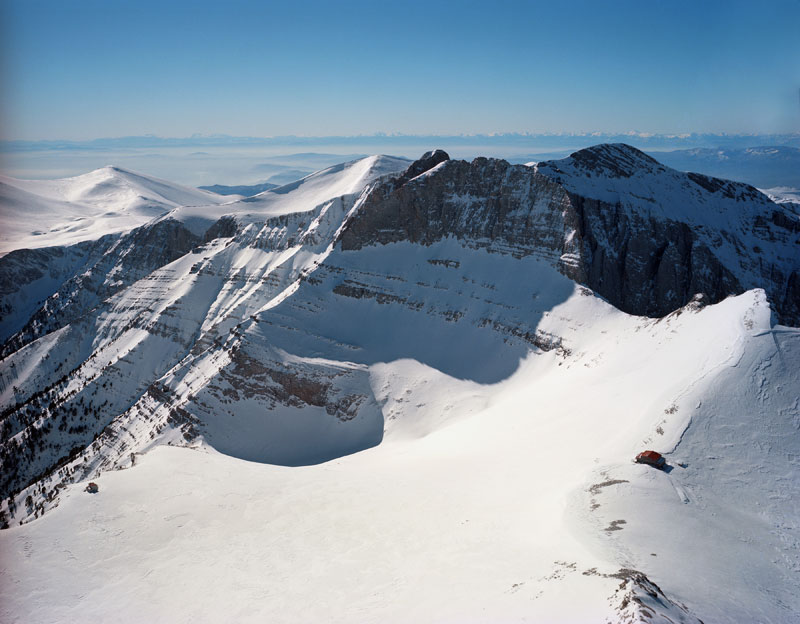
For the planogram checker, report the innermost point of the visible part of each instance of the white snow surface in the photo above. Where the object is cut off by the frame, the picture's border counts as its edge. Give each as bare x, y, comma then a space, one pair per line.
485, 502
47, 213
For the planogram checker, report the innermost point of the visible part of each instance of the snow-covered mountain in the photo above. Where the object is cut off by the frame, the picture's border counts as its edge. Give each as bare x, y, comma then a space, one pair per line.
648, 237
47, 213
451, 353
785, 195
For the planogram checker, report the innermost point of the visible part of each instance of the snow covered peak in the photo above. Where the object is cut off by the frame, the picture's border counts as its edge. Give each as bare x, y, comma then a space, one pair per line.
619, 174
304, 195
45, 213
342, 179
616, 160
118, 189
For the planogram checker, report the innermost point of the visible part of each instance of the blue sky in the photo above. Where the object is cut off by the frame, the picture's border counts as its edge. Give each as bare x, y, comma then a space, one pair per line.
81, 69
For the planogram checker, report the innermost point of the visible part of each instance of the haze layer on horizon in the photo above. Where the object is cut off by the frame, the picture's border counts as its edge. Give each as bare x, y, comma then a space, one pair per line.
205, 160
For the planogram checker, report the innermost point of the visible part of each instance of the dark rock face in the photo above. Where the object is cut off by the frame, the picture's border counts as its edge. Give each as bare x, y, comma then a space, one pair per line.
29, 276
672, 233
487, 202
223, 228
428, 161
642, 262
642, 265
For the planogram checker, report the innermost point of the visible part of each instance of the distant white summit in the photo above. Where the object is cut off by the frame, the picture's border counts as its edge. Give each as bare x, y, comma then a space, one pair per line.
299, 196
46, 213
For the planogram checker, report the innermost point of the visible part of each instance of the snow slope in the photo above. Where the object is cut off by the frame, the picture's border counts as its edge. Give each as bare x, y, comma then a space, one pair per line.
463, 518
730, 509
45, 213
132, 337
80, 276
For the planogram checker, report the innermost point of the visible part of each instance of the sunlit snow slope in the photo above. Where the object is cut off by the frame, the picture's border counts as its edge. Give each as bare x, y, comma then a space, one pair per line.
43, 213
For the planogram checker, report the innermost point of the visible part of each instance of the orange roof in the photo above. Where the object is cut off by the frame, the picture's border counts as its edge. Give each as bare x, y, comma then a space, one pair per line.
650, 455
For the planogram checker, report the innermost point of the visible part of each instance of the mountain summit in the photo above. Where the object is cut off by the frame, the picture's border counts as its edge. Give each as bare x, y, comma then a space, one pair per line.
609, 160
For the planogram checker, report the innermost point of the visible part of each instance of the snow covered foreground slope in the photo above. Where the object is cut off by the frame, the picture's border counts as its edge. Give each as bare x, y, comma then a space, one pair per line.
498, 502
463, 352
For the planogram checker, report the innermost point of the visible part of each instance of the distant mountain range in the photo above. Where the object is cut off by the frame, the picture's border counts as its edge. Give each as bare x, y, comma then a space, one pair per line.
764, 167
50, 213
242, 189
551, 140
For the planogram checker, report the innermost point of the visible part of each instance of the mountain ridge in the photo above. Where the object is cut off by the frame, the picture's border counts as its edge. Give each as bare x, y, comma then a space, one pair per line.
376, 316
648, 250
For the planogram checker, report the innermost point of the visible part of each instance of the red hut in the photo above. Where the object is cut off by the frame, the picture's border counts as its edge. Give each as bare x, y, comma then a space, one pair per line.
651, 458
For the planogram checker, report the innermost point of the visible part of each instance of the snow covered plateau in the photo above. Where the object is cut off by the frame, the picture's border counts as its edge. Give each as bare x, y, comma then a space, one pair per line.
394, 392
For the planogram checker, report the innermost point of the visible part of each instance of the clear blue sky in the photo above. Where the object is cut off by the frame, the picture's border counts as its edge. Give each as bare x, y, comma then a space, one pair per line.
78, 69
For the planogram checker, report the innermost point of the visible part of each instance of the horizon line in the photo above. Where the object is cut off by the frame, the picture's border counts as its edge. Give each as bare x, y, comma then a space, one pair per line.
402, 135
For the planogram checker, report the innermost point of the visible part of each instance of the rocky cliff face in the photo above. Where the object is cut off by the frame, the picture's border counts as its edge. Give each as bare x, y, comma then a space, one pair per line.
652, 237
645, 237
29, 276
643, 265
487, 203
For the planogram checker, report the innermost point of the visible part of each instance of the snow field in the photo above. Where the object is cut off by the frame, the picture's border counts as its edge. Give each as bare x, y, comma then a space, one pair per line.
460, 521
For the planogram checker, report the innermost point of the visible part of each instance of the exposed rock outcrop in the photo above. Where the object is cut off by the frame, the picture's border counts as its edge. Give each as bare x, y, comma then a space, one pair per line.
487, 202
29, 276
638, 599
643, 265
427, 162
